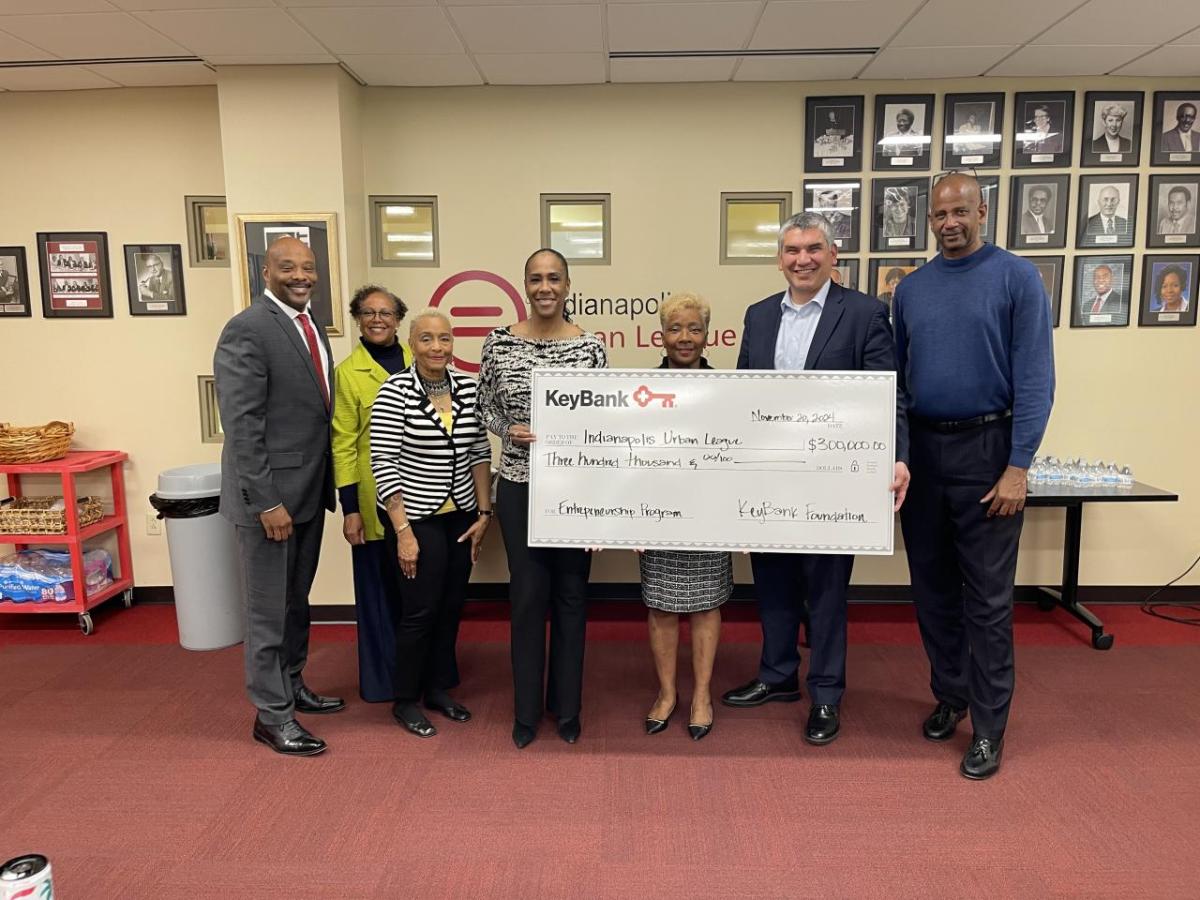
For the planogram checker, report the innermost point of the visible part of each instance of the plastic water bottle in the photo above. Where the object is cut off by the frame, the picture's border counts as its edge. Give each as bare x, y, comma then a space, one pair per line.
1126, 477
1112, 475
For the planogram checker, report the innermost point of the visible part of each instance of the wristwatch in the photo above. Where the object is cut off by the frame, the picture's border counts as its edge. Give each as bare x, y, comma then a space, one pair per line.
486, 512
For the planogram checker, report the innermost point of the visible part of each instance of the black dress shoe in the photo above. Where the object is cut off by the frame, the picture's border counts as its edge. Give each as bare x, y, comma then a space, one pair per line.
823, 725
756, 693
308, 701
983, 759
455, 712
290, 738
654, 726
523, 735
699, 732
942, 721
568, 729
413, 720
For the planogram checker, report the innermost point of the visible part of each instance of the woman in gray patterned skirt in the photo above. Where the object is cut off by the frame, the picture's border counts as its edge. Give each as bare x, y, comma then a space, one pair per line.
678, 582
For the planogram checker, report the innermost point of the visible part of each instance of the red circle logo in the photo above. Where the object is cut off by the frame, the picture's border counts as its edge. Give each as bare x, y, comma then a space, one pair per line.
483, 315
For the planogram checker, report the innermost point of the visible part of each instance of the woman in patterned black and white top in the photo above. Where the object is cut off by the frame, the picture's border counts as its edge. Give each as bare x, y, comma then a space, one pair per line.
540, 579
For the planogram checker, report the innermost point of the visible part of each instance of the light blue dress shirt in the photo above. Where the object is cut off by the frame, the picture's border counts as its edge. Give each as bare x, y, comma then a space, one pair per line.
797, 327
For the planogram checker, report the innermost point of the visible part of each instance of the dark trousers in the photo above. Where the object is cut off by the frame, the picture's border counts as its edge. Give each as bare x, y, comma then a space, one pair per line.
376, 629
277, 576
430, 605
782, 582
542, 580
962, 566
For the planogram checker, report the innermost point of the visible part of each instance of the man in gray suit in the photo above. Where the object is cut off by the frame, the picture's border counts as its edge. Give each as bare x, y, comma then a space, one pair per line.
274, 384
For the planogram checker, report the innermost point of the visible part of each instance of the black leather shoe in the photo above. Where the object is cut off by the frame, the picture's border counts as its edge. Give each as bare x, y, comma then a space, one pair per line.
413, 720
942, 721
983, 759
310, 702
823, 725
523, 735
756, 693
455, 712
290, 738
654, 726
568, 729
699, 732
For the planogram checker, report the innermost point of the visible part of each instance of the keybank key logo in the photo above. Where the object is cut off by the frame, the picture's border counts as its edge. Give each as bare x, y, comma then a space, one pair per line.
643, 397
586, 399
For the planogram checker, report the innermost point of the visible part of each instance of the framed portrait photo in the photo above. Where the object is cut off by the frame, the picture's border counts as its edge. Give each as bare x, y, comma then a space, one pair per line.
898, 213
318, 231
1037, 212
1171, 218
903, 123
884, 275
1175, 133
989, 186
1042, 126
841, 203
845, 273
74, 273
1101, 295
1051, 270
834, 134
1107, 211
972, 130
1169, 285
14, 284
1112, 129
154, 276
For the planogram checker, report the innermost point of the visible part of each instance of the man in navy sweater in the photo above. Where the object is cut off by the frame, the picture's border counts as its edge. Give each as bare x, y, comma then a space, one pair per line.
975, 354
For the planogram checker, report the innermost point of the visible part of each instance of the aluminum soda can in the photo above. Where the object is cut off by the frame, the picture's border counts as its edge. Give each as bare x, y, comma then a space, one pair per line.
26, 878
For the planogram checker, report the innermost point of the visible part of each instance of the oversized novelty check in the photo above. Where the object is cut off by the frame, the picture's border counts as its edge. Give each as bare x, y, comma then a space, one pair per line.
690, 460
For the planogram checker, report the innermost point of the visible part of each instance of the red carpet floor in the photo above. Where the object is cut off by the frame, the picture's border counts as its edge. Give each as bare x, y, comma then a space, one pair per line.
127, 761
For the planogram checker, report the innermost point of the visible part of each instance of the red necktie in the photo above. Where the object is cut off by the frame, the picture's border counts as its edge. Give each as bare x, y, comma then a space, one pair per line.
311, 337
1096, 306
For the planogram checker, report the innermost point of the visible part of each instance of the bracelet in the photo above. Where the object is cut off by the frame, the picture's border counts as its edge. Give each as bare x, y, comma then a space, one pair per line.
404, 527
486, 512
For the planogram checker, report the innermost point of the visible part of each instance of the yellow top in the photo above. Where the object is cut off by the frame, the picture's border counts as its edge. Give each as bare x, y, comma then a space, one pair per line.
447, 418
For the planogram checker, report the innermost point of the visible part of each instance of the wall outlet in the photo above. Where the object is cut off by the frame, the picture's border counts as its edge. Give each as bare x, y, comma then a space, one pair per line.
153, 524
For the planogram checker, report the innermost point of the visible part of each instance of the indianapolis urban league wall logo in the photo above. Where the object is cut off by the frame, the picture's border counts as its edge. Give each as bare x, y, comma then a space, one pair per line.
487, 315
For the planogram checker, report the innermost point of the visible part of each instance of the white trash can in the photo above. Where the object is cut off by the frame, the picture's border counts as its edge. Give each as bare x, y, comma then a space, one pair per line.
204, 557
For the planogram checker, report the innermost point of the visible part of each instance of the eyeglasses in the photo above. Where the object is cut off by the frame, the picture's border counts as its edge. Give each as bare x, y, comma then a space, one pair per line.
964, 171
385, 315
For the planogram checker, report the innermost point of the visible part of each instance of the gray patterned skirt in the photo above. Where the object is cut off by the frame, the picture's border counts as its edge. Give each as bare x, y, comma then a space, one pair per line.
684, 581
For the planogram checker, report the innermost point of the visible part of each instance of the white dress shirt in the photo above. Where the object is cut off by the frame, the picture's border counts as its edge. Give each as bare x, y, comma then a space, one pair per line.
797, 327
293, 314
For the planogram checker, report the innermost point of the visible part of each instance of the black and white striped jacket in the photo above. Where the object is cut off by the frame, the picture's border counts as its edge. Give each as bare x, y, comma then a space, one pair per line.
411, 452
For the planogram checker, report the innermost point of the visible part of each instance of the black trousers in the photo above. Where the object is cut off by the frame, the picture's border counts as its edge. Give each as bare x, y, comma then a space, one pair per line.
430, 605
962, 566
541, 580
783, 582
375, 596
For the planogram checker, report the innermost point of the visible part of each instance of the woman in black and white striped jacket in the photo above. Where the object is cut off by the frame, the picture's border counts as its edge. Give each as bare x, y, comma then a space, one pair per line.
432, 465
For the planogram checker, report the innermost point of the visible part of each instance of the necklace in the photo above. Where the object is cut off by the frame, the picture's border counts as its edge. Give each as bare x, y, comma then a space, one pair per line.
435, 389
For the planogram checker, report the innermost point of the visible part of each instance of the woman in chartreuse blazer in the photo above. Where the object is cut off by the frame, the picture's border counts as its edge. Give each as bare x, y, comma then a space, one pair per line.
378, 354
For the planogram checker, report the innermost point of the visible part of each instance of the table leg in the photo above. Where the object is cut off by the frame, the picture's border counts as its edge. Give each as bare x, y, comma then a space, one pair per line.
1067, 597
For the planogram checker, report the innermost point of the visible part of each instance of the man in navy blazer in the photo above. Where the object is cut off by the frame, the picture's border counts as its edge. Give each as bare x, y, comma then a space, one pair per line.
814, 324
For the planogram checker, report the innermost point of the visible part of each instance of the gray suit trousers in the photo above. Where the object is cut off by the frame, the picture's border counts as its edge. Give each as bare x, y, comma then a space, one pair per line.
278, 577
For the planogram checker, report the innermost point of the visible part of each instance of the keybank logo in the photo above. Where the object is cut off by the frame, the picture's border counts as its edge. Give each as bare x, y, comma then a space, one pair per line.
585, 399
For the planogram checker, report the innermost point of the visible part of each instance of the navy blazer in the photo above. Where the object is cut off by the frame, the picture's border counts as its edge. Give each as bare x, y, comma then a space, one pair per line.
853, 333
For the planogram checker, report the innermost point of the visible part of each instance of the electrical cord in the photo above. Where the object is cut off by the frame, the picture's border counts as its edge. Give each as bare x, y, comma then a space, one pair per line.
1151, 609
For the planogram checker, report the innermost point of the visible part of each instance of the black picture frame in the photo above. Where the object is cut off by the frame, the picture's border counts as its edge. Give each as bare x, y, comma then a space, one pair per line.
155, 293
1114, 311
1023, 233
75, 277
892, 150
834, 134
1173, 211
973, 131
1156, 272
1095, 192
14, 284
881, 277
841, 203
989, 228
1051, 270
848, 271
1102, 111
1166, 149
1043, 141
890, 233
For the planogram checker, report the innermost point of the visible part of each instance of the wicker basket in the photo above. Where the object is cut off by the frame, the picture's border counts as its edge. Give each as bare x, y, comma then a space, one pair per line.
33, 515
32, 445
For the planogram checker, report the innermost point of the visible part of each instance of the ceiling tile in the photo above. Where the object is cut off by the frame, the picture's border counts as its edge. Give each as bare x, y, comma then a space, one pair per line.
257, 59
934, 62
46, 7
15, 50
155, 5
1100, 21
422, 29
681, 26
232, 32
413, 69
799, 68
529, 29
954, 22
52, 78
516, 2
788, 24
1174, 59
1043, 59
91, 35
156, 74
672, 70
542, 68
1192, 38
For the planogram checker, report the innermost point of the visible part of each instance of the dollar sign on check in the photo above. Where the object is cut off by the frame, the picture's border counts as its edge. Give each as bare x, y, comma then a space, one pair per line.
643, 397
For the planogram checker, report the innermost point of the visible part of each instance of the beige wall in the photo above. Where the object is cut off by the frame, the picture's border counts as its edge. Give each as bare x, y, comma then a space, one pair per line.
665, 153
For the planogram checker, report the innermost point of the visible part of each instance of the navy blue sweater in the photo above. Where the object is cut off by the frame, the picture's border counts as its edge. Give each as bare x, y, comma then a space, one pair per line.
973, 336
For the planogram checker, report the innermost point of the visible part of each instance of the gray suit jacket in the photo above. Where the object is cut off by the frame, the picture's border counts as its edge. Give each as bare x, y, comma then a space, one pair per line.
274, 417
